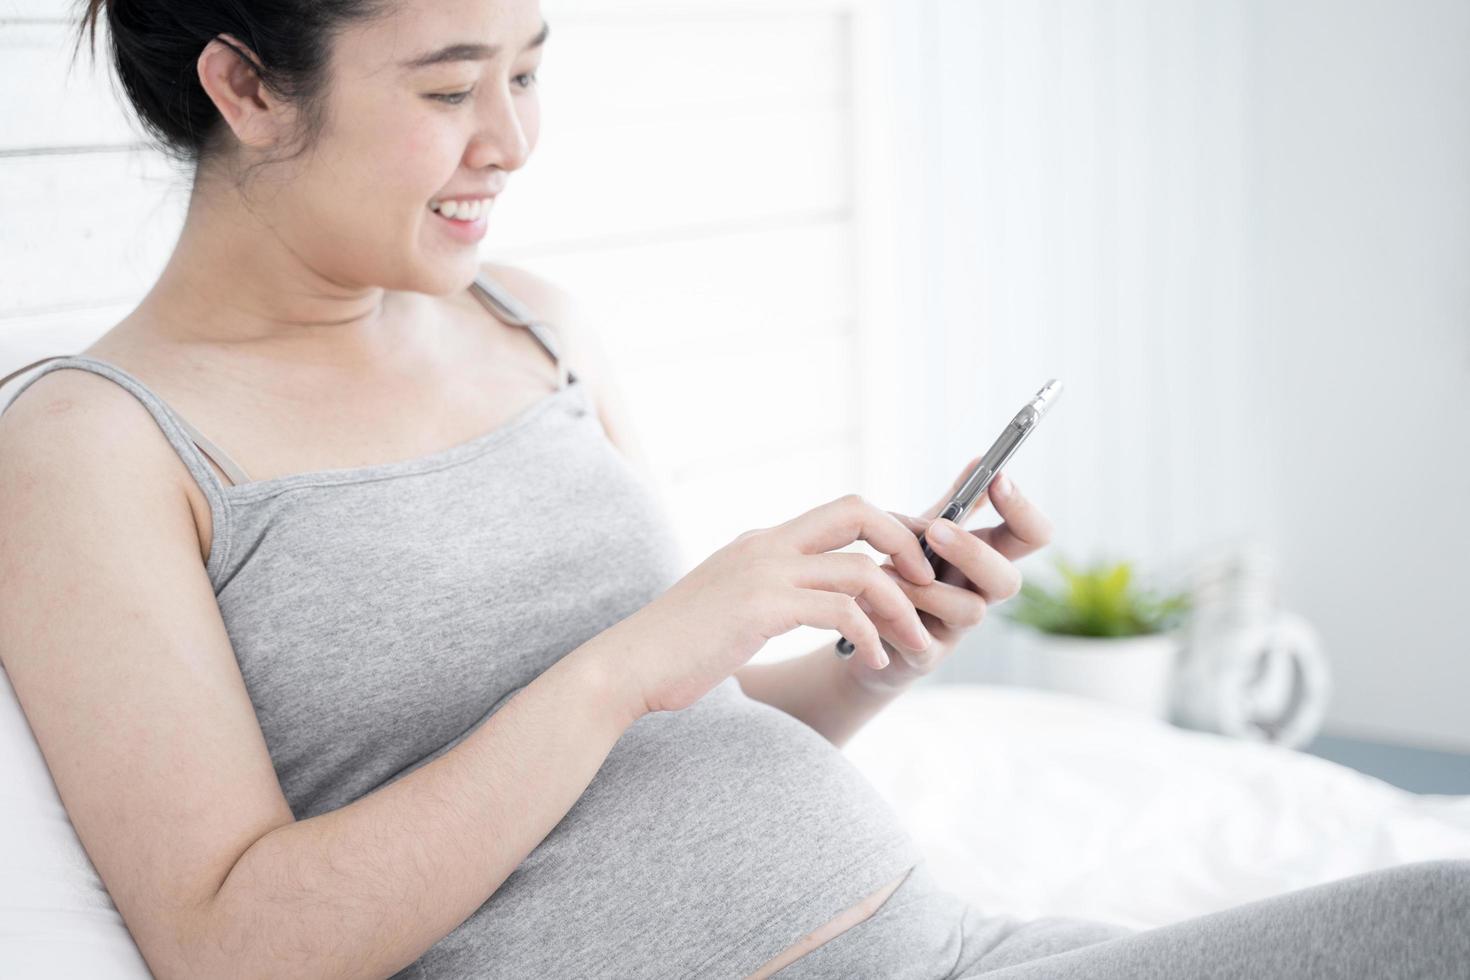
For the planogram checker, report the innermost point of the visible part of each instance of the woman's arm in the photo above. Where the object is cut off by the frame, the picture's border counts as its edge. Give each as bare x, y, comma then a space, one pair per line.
815, 688
364, 889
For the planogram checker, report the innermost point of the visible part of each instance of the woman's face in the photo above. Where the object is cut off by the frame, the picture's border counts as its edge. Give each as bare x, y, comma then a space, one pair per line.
404, 129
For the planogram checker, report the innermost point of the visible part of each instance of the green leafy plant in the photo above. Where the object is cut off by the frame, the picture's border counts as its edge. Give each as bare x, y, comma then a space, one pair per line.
1101, 600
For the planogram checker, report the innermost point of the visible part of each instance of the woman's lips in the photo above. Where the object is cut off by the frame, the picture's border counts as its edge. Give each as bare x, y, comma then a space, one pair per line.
466, 231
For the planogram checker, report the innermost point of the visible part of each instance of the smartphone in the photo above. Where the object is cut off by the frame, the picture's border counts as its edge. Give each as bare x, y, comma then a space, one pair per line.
959, 506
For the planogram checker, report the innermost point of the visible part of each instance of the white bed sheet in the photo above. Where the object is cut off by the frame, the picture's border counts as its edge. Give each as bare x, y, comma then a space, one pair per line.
1031, 803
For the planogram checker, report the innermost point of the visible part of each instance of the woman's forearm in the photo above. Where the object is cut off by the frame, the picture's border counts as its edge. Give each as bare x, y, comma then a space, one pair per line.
363, 890
818, 689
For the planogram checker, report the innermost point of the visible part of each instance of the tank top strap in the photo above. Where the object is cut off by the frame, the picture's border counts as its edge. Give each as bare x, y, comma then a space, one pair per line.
506, 307
188, 442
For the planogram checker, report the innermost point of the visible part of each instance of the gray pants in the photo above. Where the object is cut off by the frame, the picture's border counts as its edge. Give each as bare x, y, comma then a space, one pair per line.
1412, 920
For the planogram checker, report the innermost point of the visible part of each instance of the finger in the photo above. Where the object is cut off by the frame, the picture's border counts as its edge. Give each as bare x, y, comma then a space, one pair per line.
954, 488
858, 576
976, 560
915, 524
944, 573
851, 518
893, 635
836, 611
952, 605
1024, 528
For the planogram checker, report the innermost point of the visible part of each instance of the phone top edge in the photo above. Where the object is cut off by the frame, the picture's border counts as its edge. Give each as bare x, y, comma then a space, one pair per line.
1005, 447
1047, 396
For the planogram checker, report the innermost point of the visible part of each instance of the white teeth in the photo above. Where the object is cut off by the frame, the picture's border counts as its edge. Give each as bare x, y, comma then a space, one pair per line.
462, 210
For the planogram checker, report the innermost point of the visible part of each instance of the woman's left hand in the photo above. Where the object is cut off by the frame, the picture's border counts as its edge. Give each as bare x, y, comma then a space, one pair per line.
978, 575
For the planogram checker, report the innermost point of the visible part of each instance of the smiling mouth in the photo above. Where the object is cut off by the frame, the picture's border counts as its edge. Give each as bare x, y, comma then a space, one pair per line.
462, 211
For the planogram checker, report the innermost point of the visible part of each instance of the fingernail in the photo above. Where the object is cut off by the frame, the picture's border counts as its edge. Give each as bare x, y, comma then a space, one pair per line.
883, 655
939, 532
1003, 487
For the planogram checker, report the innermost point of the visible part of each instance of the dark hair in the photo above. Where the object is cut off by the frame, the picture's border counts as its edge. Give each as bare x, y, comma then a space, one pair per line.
156, 46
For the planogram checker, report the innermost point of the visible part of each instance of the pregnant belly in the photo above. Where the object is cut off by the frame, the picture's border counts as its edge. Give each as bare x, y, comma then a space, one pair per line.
825, 932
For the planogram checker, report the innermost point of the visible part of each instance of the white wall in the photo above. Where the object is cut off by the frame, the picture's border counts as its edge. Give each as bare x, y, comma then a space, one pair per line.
1363, 251
1240, 234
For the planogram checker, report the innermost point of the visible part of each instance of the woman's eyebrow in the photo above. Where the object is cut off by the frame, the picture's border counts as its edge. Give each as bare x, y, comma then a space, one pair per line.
471, 52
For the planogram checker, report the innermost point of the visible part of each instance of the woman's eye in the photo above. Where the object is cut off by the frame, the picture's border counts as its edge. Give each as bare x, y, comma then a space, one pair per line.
525, 80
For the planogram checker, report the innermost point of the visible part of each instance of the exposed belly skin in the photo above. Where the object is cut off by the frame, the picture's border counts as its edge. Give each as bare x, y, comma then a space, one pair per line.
833, 927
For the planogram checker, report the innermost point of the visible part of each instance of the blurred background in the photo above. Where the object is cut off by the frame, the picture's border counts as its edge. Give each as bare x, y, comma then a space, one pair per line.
833, 245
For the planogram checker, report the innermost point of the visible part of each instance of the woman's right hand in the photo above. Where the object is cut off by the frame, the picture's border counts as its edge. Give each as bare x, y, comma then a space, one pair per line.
767, 582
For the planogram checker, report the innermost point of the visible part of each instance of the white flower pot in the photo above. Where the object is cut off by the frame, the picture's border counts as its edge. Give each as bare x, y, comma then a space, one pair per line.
1134, 672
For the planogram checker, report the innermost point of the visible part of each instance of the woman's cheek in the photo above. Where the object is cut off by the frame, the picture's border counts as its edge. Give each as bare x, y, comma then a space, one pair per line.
414, 136
413, 151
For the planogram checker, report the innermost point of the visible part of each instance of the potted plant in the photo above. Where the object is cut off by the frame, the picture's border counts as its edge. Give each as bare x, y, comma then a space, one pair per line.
1099, 635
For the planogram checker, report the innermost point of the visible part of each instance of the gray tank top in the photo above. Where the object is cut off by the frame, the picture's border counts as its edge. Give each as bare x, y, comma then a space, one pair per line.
382, 613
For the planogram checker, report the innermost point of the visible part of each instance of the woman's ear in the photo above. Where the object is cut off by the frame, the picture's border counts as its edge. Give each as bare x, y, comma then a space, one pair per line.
227, 72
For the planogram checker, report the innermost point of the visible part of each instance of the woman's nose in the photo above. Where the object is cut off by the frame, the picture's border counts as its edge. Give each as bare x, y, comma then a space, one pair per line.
501, 138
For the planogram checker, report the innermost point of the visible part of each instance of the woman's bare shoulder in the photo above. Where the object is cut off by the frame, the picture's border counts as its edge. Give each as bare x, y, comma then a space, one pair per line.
101, 430
583, 349
548, 300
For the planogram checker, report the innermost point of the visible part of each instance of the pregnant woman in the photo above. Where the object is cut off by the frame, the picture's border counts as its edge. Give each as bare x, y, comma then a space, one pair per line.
407, 682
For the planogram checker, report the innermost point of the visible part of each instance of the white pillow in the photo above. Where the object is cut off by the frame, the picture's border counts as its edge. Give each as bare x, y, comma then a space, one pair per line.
56, 918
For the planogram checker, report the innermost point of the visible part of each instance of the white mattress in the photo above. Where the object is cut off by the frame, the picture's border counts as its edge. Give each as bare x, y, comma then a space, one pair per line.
1034, 803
